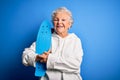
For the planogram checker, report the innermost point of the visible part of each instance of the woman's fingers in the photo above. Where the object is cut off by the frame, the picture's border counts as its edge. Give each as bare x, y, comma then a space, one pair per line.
43, 57
49, 51
38, 58
46, 53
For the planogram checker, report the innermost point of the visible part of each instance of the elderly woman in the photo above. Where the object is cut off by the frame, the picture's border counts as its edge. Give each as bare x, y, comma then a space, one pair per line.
64, 58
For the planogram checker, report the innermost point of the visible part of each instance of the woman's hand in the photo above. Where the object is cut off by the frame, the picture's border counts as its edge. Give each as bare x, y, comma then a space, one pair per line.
43, 57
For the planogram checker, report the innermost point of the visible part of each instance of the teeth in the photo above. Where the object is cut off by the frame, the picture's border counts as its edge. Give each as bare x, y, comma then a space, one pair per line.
59, 26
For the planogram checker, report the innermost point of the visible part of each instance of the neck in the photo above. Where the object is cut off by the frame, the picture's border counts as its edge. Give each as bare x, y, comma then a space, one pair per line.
63, 35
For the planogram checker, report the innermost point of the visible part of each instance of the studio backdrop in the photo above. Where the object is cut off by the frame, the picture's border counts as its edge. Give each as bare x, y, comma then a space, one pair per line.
96, 22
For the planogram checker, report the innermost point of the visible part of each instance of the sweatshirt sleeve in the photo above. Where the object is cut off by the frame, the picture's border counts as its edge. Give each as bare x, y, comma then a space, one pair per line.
67, 64
29, 55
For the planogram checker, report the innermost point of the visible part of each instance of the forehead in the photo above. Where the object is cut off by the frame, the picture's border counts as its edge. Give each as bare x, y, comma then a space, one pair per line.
62, 15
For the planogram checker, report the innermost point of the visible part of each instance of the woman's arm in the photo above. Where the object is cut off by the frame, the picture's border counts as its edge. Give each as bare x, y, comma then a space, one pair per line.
67, 64
29, 55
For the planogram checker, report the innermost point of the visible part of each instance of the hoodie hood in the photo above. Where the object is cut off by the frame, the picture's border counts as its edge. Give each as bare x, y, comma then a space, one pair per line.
70, 35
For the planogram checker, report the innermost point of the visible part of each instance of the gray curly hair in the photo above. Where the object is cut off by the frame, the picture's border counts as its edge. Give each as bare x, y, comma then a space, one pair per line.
62, 9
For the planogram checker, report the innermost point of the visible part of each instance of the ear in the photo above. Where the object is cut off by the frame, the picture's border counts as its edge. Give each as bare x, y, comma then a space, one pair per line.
70, 24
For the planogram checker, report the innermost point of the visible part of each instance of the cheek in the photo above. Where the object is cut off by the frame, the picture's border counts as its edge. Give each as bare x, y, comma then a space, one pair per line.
67, 25
54, 23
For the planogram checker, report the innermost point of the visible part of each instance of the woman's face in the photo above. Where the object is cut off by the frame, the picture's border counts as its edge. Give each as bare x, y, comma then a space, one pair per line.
61, 22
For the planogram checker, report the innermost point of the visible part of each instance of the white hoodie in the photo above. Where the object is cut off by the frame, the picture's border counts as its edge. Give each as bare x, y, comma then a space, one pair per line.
64, 61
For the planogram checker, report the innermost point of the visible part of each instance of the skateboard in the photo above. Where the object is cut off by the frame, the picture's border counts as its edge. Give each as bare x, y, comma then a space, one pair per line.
43, 43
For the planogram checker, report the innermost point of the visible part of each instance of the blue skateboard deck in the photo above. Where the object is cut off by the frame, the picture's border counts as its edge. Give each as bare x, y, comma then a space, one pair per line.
43, 43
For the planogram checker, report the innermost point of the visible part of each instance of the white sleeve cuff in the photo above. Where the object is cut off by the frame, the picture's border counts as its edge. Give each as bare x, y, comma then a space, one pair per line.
51, 61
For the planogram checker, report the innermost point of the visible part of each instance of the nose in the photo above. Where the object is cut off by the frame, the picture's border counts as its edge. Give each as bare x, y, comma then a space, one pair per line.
59, 21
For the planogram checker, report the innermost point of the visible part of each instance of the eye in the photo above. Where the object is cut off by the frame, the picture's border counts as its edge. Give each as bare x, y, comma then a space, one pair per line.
55, 19
63, 19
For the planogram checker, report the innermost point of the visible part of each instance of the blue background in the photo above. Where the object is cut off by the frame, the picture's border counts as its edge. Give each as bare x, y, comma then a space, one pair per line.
96, 22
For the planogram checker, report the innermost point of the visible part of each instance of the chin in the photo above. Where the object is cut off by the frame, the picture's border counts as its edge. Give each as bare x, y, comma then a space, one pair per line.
60, 31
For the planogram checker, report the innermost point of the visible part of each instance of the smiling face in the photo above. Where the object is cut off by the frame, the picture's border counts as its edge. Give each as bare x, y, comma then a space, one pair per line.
61, 23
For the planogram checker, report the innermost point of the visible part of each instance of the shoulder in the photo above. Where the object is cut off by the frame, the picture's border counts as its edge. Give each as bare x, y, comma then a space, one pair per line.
74, 36
76, 39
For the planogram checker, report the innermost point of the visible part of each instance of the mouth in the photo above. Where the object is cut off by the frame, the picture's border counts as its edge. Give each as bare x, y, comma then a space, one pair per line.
60, 26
